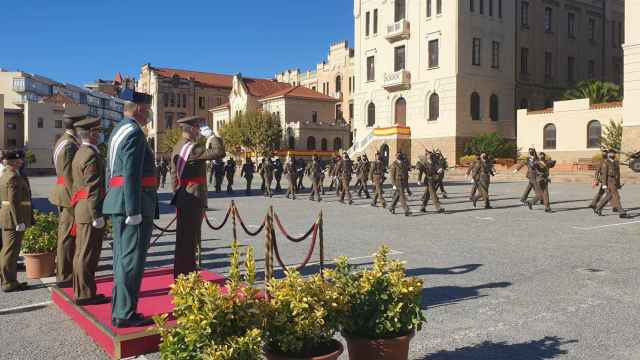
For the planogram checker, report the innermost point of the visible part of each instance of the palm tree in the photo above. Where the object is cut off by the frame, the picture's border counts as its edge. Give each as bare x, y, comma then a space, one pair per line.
597, 91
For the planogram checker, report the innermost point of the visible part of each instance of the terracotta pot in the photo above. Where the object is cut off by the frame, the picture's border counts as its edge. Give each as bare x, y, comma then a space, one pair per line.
39, 265
381, 349
332, 356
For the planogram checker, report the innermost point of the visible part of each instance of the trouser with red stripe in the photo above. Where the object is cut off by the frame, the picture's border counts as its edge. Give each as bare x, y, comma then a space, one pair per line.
85, 260
188, 236
66, 245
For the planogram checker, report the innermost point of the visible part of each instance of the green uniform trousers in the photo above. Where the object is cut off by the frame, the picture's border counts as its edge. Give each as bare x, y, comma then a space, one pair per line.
267, 185
430, 194
315, 189
483, 188
541, 187
399, 195
249, 180
188, 236
344, 188
377, 191
291, 190
66, 245
85, 260
11, 243
129, 253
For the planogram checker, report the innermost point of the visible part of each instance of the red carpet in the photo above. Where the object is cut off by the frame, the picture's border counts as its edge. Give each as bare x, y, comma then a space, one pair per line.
95, 320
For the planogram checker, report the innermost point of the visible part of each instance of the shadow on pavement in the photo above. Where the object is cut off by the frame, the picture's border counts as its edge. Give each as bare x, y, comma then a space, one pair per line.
454, 270
548, 347
446, 295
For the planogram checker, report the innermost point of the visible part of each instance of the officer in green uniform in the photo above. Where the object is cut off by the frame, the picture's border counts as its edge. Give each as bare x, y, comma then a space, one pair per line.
597, 180
399, 174
483, 172
344, 171
611, 183
63, 153
541, 185
247, 173
15, 217
314, 171
132, 202
189, 171
430, 168
88, 193
377, 174
363, 176
291, 173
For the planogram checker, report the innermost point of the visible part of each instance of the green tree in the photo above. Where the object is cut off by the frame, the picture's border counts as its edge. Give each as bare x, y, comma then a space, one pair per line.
493, 145
612, 136
597, 91
30, 157
257, 131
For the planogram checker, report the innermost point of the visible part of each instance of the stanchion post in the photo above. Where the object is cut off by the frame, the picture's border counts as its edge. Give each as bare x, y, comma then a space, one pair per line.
321, 234
269, 246
200, 243
233, 214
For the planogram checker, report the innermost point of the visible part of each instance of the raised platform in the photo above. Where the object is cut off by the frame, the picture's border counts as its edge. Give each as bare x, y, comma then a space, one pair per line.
95, 320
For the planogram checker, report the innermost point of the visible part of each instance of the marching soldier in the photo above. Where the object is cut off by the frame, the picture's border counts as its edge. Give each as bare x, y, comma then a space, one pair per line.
406, 181
431, 169
218, 170
247, 173
329, 170
541, 184
88, 194
444, 166
531, 174
473, 174
363, 176
377, 174
291, 174
344, 171
63, 153
300, 166
278, 170
610, 174
15, 217
597, 181
399, 174
164, 169
132, 202
266, 171
230, 172
482, 177
314, 171
189, 165
356, 170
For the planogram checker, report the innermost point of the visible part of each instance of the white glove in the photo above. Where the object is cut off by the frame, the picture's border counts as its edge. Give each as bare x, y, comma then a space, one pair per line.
394, 187
21, 227
604, 187
471, 180
133, 219
98, 223
440, 171
419, 183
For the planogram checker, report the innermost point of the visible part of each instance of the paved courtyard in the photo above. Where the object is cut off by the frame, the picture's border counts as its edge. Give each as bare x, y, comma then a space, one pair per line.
506, 283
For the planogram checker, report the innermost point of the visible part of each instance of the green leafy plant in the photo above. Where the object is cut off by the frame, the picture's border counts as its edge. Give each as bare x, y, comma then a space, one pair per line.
467, 159
595, 90
304, 314
30, 157
257, 131
382, 302
493, 145
42, 235
214, 323
612, 136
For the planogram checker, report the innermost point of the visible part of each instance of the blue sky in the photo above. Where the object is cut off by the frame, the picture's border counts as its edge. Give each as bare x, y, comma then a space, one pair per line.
79, 41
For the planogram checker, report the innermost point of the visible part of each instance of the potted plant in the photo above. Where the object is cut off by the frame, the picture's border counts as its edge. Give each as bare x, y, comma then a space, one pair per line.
39, 245
383, 308
214, 324
304, 315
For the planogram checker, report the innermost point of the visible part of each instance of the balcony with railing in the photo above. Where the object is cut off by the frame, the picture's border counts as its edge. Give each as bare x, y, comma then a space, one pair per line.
398, 30
338, 95
397, 80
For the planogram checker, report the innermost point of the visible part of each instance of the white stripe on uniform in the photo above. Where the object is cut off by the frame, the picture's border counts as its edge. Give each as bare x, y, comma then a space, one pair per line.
117, 139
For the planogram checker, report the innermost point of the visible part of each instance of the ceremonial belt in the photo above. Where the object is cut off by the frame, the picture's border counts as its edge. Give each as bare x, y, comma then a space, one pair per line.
200, 180
60, 180
83, 194
25, 203
147, 181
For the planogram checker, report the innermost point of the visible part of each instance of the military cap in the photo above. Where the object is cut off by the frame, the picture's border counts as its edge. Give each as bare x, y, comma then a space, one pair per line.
14, 154
141, 98
69, 120
191, 120
88, 123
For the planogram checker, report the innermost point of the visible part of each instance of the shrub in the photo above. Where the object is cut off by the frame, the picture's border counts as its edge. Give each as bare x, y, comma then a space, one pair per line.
493, 145
304, 315
42, 235
467, 159
382, 302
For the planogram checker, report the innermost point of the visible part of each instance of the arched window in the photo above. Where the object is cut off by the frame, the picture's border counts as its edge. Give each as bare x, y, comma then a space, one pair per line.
337, 144
494, 109
400, 10
338, 83
371, 114
549, 137
291, 140
594, 132
311, 143
323, 144
401, 111
475, 106
434, 107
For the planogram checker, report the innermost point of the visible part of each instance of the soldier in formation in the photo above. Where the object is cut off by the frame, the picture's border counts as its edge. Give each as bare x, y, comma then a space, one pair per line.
362, 172
376, 174
444, 166
399, 175
597, 181
217, 169
482, 173
610, 175
230, 173
278, 170
314, 171
247, 173
164, 169
431, 169
291, 174
266, 172
344, 171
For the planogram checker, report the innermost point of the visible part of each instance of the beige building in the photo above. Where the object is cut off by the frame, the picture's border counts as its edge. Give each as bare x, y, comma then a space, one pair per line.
334, 77
179, 93
631, 135
307, 116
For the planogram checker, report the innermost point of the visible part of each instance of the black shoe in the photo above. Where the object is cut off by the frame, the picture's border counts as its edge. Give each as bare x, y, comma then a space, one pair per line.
350, 202
408, 213
624, 216
393, 211
445, 196
488, 207
475, 202
598, 212
17, 286
373, 205
20, 267
384, 205
591, 206
423, 210
97, 300
615, 210
441, 210
548, 211
529, 205
135, 320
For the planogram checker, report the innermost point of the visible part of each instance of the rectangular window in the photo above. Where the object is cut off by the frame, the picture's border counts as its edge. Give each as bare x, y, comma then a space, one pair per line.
495, 55
592, 29
350, 111
571, 65
201, 102
428, 8
475, 58
591, 69
524, 14
40, 123
314, 117
165, 98
375, 21
400, 10
500, 9
58, 124
524, 60
12, 142
433, 53
371, 68
481, 6
438, 7
490, 7
11, 126
399, 58
367, 23
571, 25
168, 120
548, 19
613, 34
548, 65
179, 101
184, 100
472, 5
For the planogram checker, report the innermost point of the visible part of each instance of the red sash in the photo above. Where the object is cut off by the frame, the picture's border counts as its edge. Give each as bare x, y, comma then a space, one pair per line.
147, 181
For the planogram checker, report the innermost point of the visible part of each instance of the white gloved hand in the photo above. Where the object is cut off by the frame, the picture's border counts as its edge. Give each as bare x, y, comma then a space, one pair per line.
133, 219
515, 171
419, 183
471, 180
21, 227
394, 187
604, 187
98, 223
